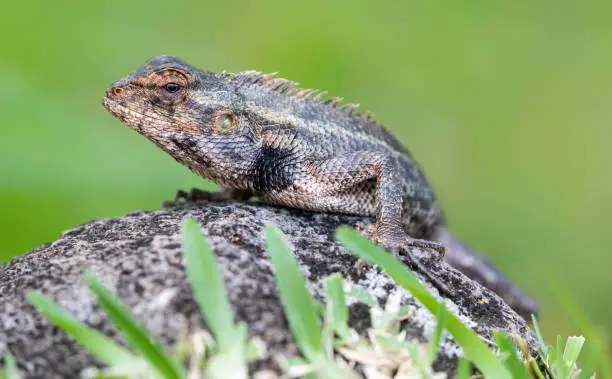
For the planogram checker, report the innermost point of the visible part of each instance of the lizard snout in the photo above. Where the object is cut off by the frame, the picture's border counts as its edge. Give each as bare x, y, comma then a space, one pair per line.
114, 92
117, 89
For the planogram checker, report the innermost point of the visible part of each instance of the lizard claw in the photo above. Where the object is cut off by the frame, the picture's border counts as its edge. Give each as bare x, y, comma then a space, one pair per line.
401, 242
403, 251
427, 244
180, 198
195, 195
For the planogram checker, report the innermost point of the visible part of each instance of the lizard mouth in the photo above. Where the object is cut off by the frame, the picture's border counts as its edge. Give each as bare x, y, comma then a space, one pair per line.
142, 122
117, 109
133, 119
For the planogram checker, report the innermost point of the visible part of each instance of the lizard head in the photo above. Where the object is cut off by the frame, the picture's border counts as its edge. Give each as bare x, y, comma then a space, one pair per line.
167, 94
196, 116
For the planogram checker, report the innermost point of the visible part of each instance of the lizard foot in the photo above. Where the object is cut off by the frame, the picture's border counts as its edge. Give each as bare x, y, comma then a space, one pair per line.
404, 251
427, 244
195, 195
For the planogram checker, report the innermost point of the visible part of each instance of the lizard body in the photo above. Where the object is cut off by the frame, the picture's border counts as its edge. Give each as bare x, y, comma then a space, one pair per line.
258, 135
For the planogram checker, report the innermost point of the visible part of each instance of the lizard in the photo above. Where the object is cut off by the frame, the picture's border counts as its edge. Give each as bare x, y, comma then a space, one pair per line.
258, 135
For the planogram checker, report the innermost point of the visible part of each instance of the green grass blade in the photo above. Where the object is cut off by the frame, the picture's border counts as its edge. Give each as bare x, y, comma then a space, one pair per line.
473, 348
464, 369
127, 370
230, 363
434, 343
98, 344
558, 362
510, 357
136, 336
207, 283
297, 301
573, 346
535, 369
419, 361
541, 342
10, 368
255, 349
362, 296
337, 311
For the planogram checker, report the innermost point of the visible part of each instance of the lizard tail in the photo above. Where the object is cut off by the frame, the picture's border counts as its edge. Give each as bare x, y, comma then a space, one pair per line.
475, 266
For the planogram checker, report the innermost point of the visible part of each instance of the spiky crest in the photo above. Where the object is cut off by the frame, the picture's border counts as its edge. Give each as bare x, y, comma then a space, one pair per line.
289, 88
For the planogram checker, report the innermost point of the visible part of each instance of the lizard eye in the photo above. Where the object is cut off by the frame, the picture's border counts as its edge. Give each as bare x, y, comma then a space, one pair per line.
224, 122
172, 87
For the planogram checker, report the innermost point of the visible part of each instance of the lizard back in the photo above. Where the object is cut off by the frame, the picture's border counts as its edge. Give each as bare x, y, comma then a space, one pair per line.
330, 129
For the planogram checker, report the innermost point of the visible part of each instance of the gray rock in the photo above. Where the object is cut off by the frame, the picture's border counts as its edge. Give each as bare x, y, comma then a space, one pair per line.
139, 256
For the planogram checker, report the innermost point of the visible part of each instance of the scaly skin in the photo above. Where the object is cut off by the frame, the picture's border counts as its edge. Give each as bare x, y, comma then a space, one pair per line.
258, 135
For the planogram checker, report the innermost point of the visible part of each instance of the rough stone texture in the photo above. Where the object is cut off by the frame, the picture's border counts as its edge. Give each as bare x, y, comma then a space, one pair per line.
139, 255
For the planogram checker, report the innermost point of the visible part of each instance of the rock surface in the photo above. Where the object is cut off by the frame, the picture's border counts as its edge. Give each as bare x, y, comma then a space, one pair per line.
139, 255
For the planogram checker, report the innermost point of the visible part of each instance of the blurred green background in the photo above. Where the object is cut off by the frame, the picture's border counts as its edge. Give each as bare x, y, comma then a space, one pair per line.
505, 104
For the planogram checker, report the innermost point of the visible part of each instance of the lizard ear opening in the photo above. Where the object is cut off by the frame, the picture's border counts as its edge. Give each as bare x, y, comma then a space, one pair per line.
224, 121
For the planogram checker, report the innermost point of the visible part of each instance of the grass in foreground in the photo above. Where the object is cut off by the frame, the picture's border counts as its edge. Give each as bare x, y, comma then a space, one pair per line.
329, 347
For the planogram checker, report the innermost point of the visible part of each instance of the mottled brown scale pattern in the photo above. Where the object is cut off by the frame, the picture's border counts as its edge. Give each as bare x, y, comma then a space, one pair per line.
255, 134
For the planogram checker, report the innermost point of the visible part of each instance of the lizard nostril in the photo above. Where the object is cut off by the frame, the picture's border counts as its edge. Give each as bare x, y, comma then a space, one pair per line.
118, 91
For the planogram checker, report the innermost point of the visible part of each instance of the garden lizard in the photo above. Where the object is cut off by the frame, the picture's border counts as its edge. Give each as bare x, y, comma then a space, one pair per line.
258, 135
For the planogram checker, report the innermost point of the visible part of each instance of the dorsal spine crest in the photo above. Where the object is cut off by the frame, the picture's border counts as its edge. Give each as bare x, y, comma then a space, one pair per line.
289, 88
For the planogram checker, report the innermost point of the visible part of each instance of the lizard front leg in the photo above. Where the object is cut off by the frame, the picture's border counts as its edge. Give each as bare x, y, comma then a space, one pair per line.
343, 184
196, 195
340, 182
